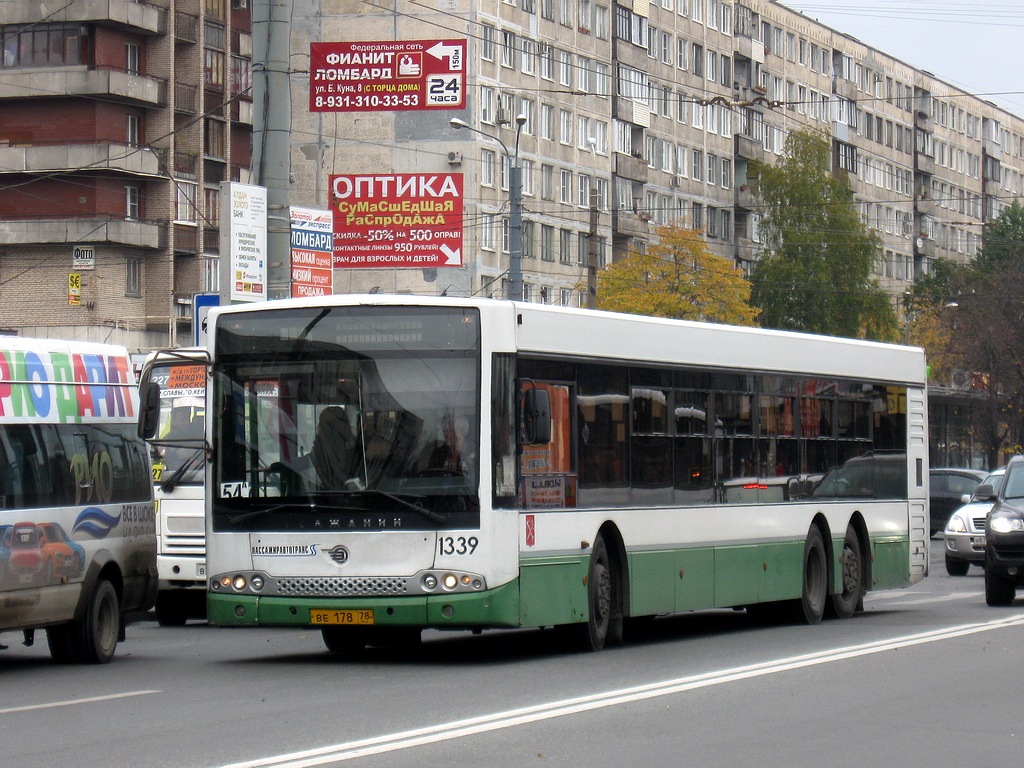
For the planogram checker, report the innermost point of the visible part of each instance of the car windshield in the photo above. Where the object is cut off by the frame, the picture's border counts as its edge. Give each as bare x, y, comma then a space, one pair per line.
1014, 480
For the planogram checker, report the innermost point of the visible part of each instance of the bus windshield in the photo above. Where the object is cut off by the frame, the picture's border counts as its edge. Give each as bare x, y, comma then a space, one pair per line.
360, 416
177, 451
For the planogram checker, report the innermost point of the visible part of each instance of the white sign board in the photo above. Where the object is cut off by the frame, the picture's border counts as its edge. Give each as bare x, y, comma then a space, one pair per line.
243, 233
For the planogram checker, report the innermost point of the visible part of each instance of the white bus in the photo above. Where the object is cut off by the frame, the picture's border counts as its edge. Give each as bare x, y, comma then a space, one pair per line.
77, 541
178, 455
384, 464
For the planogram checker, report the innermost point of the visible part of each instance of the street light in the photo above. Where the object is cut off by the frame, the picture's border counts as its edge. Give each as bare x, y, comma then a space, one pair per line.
515, 199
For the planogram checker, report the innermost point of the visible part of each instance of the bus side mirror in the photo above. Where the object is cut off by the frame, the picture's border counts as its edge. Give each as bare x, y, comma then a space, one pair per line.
149, 409
536, 417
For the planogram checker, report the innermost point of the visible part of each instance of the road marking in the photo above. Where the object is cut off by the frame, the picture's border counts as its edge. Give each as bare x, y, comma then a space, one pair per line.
351, 750
72, 702
940, 599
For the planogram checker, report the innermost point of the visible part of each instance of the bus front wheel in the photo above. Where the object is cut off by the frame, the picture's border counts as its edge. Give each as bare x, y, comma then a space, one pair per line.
604, 600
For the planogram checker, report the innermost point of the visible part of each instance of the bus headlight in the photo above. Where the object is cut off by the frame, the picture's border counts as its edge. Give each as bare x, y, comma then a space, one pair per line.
429, 582
450, 581
238, 583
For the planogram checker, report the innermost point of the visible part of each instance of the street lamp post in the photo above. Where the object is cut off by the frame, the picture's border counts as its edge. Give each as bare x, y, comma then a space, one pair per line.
515, 200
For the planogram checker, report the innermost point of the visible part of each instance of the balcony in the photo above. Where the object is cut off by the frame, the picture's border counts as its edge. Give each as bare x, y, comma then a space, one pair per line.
925, 206
186, 98
630, 167
94, 229
186, 27
127, 14
846, 88
748, 48
186, 239
924, 163
42, 158
746, 196
924, 247
749, 147
992, 148
81, 81
630, 224
923, 121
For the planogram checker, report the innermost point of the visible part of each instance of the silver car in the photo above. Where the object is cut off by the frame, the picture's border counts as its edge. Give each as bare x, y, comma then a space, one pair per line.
965, 531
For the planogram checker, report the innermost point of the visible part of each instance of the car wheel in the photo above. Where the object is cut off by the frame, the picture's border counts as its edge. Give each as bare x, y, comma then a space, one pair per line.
999, 591
955, 567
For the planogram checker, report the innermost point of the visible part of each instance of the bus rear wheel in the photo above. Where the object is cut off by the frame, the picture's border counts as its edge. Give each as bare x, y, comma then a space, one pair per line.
604, 600
814, 592
852, 571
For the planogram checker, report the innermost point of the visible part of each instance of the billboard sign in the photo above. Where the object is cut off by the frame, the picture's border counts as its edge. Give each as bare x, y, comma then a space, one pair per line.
387, 76
312, 252
409, 220
243, 233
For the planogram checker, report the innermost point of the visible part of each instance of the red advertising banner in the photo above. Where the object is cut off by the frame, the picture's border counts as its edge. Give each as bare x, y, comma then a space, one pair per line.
387, 76
402, 220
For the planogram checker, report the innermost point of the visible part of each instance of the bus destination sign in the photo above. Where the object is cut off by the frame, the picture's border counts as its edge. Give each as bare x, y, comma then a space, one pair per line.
411, 220
387, 75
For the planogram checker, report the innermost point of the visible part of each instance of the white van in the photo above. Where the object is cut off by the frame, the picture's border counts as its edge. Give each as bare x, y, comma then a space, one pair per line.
77, 530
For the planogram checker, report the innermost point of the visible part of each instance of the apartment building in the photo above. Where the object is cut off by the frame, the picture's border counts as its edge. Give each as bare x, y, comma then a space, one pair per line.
116, 131
118, 121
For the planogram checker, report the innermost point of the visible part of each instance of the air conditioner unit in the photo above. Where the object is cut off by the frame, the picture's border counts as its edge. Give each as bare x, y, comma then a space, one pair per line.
673, 182
454, 158
239, 4
503, 117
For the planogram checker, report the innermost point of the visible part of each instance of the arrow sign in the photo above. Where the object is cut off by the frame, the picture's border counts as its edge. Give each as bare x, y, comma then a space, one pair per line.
452, 52
453, 255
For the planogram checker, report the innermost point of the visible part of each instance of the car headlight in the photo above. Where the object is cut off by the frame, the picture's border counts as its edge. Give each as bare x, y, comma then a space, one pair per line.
1006, 524
957, 525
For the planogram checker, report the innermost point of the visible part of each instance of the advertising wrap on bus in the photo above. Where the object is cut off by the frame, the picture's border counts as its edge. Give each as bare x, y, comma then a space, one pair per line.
77, 530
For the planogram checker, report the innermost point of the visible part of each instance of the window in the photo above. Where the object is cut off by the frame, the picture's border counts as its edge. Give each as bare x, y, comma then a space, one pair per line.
547, 182
131, 130
583, 190
487, 168
565, 186
526, 175
133, 277
508, 49
487, 105
697, 167
213, 69
43, 45
487, 42
547, 61
565, 126
131, 202
565, 246
213, 139
565, 67
528, 56
132, 57
547, 242
487, 232
186, 195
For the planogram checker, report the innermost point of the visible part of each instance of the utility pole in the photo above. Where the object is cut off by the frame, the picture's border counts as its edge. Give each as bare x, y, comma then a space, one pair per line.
271, 132
592, 252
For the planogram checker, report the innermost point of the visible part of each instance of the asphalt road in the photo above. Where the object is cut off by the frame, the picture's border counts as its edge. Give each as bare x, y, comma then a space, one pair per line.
925, 676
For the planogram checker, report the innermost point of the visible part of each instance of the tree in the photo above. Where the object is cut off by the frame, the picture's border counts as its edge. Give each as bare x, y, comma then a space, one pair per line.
678, 278
970, 320
815, 272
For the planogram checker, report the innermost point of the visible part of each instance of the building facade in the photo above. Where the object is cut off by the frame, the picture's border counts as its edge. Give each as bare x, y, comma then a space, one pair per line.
118, 121
117, 127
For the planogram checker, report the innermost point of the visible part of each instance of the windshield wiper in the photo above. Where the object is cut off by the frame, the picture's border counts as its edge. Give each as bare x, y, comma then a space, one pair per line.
171, 482
415, 506
295, 506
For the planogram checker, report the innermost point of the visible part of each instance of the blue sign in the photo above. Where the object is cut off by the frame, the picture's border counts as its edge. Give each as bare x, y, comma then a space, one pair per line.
201, 304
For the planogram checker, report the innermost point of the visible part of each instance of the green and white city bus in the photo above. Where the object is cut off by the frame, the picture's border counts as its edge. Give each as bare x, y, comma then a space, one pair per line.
383, 464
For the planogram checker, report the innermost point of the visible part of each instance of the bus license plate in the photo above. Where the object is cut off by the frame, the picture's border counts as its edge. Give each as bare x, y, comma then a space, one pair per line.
359, 616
